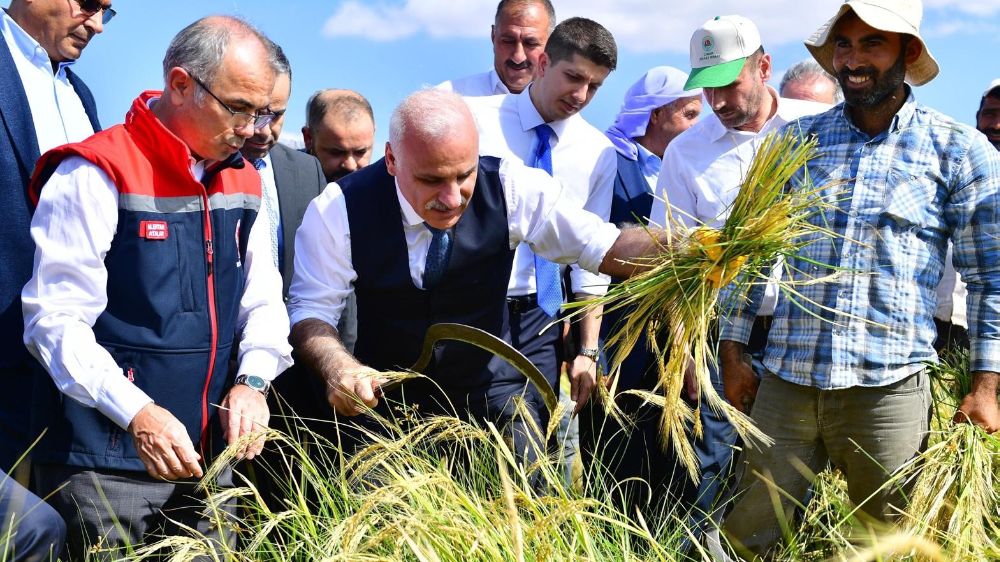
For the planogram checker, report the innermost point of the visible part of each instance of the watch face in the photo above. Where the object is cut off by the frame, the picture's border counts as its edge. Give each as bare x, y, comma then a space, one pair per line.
253, 381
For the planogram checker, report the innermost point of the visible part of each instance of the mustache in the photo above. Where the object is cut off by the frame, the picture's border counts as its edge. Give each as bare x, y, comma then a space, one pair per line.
857, 72
436, 205
524, 65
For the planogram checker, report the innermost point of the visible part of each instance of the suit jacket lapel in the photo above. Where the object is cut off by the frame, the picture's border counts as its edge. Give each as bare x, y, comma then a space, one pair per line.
15, 111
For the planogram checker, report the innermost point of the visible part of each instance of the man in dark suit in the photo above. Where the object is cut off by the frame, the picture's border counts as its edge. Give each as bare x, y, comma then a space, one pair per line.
291, 178
42, 104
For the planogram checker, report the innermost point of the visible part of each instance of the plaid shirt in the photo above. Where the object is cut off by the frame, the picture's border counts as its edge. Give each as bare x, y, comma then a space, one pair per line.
908, 189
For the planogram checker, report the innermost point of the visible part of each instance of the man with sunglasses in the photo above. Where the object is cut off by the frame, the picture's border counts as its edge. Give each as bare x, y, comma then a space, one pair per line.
43, 104
148, 272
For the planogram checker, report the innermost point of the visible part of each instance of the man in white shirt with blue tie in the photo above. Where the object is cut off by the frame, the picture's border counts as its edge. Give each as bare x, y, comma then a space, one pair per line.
519, 32
542, 127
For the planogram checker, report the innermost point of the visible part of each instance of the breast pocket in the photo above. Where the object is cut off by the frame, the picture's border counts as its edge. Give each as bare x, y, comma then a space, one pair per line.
911, 202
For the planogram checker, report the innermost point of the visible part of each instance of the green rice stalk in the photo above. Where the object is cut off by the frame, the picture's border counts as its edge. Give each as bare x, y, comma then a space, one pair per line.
955, 496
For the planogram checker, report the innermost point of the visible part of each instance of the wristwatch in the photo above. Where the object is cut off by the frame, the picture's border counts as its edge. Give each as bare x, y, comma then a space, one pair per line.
254, 382
591, 352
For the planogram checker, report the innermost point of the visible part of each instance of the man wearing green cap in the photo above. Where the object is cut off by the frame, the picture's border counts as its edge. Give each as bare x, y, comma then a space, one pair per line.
845, 379
701, 174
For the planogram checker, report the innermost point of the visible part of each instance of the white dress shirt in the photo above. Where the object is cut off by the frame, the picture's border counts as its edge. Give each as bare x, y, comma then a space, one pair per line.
704, 166
583, 160
73, 228
56, 110
482, 84
952, 295
536, 215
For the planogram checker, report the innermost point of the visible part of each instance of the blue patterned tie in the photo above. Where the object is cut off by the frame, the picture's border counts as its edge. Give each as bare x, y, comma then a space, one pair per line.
547, 280
437, 256
270, 204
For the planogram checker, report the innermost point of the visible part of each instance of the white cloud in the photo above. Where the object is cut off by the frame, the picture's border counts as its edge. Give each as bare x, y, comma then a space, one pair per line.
947, 28
974, 7
638, 25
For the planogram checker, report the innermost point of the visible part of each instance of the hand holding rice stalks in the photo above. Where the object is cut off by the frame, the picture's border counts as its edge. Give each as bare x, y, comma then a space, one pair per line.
955, 497
677, 294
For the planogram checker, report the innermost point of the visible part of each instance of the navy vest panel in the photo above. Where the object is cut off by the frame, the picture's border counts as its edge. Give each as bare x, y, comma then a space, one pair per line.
632, 197
393, 314
632, 203
157, 327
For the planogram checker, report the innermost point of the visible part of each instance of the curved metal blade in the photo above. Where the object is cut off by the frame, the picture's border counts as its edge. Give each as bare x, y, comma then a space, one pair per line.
487, 342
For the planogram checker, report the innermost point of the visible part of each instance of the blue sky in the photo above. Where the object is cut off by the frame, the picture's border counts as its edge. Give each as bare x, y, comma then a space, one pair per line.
387, 48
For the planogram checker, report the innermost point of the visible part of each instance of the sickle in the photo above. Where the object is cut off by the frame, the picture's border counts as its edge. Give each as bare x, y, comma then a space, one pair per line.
487, 342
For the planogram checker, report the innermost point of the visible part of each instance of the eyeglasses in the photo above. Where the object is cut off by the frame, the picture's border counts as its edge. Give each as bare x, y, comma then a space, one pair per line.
240, 118
91, 7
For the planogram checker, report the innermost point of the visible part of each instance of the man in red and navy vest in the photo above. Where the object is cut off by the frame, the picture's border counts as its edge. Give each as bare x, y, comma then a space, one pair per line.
148, 272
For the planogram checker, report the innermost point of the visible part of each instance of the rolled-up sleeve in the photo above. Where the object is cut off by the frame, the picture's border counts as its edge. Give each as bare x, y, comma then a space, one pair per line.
324, 273
559, 233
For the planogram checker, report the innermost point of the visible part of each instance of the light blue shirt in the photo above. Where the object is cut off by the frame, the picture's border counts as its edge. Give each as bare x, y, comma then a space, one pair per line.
650, 164
896, 199
56, 110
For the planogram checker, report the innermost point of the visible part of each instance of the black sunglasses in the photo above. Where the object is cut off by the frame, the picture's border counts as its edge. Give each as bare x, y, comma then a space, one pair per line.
91, 7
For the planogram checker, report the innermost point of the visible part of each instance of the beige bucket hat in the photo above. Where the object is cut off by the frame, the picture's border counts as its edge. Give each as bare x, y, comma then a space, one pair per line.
898, 16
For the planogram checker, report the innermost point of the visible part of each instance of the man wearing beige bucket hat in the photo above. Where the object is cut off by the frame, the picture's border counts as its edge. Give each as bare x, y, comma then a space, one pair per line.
845, 378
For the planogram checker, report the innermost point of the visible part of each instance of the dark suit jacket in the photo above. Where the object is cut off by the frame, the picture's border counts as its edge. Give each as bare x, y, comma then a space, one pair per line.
18, 153
299, 178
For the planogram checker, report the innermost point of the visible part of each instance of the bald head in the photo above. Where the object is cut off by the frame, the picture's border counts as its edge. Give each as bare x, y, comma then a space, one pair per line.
339, 131
431, 116
433, 151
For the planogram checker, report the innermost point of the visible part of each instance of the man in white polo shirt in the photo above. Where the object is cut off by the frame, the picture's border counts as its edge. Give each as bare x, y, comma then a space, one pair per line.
701, 175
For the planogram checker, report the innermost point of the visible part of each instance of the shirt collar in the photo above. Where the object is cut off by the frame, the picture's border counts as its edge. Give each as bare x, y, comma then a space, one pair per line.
899, 121
530, 118
497, 85
410, 216
31, 49
650, 162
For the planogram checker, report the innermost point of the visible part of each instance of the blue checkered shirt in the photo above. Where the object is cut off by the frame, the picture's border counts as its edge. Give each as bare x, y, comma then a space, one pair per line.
908, 189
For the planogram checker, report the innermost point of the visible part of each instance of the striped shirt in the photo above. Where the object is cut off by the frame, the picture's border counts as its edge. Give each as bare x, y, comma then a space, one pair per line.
905, 192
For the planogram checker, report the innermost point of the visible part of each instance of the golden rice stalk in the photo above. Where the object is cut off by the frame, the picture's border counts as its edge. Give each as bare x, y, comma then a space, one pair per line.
682, 286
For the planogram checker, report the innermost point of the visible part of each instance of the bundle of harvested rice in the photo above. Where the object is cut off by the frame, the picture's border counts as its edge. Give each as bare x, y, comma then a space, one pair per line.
677, 294
955, 496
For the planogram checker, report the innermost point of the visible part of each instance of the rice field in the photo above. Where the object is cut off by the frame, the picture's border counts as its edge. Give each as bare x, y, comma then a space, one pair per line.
443, 489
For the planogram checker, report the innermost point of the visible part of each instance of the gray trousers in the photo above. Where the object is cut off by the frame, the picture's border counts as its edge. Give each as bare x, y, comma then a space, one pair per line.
117, 511
867, 432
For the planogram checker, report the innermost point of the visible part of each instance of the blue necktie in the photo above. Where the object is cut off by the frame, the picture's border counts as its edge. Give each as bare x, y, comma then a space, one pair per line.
437, 256
547, 280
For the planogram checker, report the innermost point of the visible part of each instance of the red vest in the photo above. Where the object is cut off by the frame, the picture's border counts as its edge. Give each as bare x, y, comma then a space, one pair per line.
175, 278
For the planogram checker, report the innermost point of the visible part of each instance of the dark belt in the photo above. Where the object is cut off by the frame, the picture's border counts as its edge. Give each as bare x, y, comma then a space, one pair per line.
758, 335
523, 303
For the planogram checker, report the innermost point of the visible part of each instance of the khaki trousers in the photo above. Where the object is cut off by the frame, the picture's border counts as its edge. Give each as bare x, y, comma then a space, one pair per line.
867, 432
